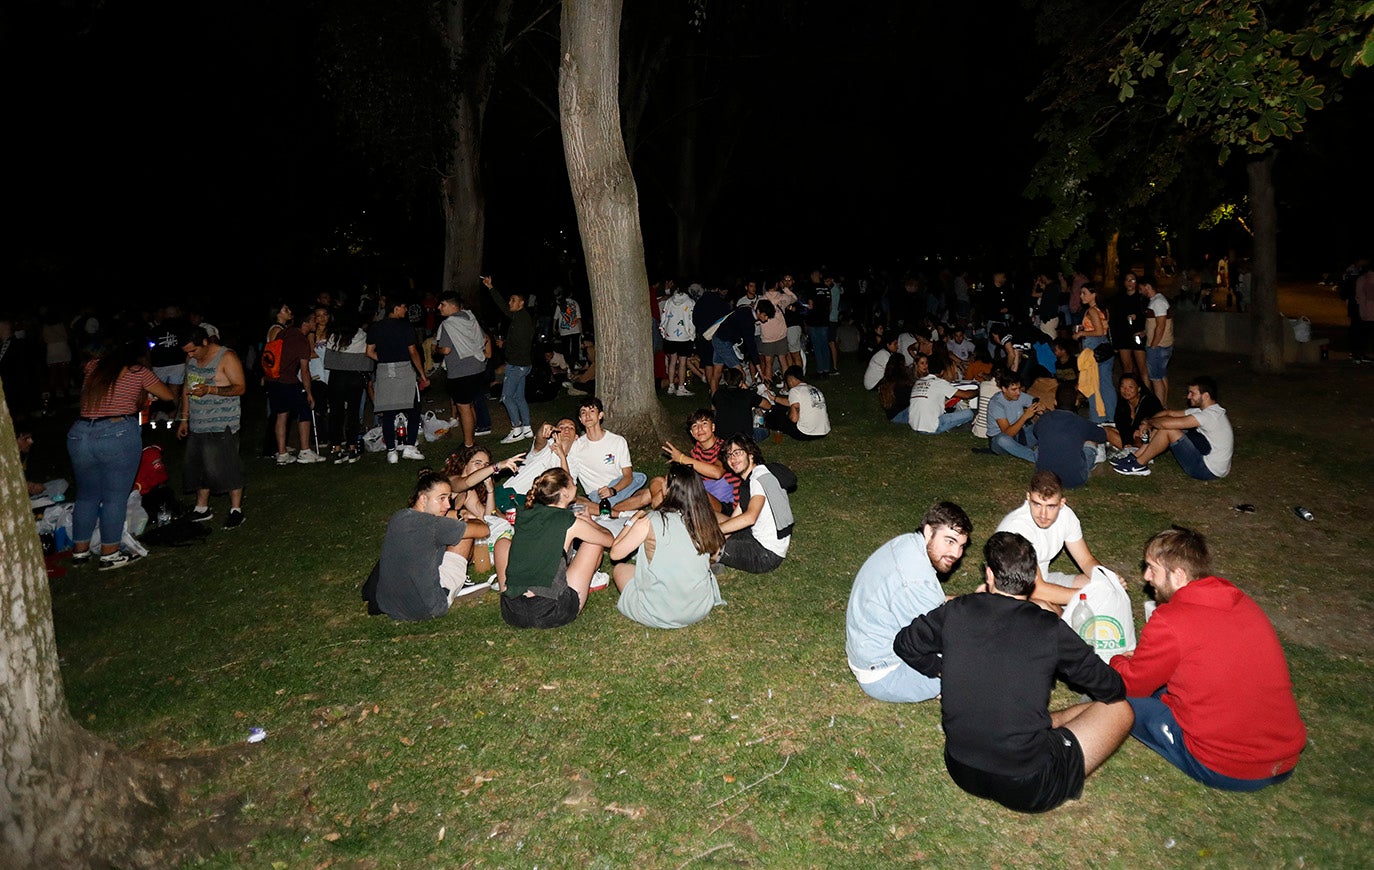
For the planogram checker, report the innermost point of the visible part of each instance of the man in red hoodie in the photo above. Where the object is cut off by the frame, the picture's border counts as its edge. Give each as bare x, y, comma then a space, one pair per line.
1208, 681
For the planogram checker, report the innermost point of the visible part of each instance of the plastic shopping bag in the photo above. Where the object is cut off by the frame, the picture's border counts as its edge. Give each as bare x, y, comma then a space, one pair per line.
1111, 630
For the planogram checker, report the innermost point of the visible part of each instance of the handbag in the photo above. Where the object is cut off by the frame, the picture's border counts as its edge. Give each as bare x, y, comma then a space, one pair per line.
1103, 351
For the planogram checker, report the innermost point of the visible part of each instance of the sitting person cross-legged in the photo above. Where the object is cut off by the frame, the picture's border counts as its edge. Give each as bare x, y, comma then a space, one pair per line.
997, 655
760, 529
472, 475
1135, 405
930, 397
542, 584
1200, 438
670, 584
600, 460
1011, 418
424, 560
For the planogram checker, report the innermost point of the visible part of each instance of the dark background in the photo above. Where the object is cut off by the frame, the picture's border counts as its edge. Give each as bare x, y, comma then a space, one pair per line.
166, 151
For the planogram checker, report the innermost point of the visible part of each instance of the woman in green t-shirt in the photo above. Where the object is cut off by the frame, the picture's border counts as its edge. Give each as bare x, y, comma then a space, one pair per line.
541, 585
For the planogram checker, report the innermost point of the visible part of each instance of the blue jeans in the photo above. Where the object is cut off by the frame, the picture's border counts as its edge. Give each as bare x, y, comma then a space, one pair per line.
637, 481
954, 419
820, 346
906, 685
1105, 369
1008, 445
513, 395
903, 416
1156, 727
105, 456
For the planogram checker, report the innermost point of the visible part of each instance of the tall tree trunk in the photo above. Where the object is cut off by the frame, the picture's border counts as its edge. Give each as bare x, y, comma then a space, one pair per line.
607, 203
1112, 267
464, 205
1267, 351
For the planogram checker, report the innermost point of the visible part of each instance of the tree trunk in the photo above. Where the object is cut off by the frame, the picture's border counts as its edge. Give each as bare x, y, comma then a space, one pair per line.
464, 206
607, 203
67, 798
1267, 351
1112, 267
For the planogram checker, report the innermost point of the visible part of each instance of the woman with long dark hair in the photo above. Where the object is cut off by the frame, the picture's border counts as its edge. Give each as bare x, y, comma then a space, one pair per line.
894, 390
105, 446
670, 584
348, 365
542, 585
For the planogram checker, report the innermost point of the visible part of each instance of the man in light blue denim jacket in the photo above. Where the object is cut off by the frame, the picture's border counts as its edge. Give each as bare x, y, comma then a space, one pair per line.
898, 583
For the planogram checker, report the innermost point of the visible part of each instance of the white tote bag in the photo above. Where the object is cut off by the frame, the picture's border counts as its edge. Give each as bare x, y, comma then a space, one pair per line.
1111, 631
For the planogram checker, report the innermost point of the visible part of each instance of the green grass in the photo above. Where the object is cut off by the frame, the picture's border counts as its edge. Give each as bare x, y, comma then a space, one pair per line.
741, 740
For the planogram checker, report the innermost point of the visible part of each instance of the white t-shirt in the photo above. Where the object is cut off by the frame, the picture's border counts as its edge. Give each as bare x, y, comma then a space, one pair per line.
1159, 307
960, 350
1216, 427
765, 529
904, 343
876, 366
813, 419
928, 397
594, 464
1066, 529
536, 463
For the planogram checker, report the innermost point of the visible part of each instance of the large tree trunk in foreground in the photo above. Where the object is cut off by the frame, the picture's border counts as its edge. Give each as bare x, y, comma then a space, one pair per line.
67, 799
1266, 355
465, 206
607, 204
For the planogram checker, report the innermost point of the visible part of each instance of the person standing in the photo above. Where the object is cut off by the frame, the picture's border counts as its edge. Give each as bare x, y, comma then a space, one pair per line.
463, 345
210, 420
288, 384
105, 449
679, 338
569, 325
399, 380
519, 348
1159, 339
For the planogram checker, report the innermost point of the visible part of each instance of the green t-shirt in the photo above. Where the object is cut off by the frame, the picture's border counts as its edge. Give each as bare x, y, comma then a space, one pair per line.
537, 548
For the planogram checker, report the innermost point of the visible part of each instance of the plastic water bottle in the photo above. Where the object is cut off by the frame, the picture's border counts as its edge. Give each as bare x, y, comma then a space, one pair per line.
400, 428
1082, 614
164, 516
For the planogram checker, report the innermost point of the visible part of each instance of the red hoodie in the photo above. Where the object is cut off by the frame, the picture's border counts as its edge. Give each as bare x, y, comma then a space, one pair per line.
1226, 680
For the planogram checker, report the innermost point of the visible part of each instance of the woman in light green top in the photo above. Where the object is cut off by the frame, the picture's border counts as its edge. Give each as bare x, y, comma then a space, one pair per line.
670, 584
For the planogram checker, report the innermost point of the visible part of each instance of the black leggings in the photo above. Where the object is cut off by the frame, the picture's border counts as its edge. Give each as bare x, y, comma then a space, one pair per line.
412, 416
346, 394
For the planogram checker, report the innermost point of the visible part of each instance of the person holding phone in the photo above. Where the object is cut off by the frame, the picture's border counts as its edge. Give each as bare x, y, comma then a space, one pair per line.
1011, 418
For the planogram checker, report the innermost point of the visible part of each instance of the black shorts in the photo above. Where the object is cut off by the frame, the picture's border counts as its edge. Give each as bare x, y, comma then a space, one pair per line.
679, 348
1060, 779
465, 390
743, 552
536, 611
213, 463
288, 399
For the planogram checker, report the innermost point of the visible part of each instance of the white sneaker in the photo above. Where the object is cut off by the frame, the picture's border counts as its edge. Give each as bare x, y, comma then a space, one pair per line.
600, 580
307, 456
1101, 454
410, 451
471, 586
392, 457
285, 459
516, 434
683, 391
527, 432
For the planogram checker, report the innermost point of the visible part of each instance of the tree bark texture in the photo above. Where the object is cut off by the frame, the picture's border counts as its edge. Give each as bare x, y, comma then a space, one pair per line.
1267, 351
607, 204
68, 799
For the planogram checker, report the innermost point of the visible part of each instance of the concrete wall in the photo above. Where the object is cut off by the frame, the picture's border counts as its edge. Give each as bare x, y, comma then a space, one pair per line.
1230, 332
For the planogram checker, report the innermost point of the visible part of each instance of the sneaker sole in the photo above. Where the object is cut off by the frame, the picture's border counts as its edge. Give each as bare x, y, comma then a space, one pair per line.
475, 587
1132, 472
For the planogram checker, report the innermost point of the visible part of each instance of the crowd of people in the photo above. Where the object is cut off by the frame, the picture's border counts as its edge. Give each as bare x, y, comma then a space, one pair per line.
1061, 381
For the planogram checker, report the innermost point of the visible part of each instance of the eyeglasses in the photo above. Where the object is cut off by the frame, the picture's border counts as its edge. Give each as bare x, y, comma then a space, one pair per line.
736, 452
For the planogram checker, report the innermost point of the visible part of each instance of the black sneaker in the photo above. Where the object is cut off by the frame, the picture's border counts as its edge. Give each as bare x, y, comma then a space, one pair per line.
234, 520
201, 516
117, 559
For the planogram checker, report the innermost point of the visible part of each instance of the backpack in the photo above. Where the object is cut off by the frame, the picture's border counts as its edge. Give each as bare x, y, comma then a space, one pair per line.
271, 358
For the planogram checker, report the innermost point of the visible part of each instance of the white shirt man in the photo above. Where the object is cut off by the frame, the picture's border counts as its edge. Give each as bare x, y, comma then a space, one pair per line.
599, 460
929, 394
1046, 520
1200, 438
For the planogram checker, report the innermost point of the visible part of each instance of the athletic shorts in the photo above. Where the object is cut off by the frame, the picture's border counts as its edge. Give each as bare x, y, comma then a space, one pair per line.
213, 463
773, 348
678, 348
1060, 779
288, 399
794, 339
465, 390
536, 611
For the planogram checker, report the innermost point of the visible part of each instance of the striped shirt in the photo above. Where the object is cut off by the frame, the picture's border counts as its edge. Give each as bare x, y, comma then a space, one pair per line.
712, 455
124, 398
210, 413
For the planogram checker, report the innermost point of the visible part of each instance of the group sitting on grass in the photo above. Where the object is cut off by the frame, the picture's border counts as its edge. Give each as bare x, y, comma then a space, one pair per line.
1207, 686
719, 506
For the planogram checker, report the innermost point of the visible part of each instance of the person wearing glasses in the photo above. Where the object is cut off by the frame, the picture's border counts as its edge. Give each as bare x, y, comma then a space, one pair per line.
760, 528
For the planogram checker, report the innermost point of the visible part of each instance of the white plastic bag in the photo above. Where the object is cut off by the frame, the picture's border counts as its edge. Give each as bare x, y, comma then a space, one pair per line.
1302, 329
433, 426
374, 441
1111, 631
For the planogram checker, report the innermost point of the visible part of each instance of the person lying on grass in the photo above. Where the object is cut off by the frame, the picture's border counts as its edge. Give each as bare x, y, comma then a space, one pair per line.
760, 528
543, 585
472, 475
721, 486
669, 584
997, 655
424, 561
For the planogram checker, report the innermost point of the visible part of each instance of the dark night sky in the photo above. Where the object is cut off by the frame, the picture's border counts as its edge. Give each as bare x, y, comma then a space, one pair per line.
166, 149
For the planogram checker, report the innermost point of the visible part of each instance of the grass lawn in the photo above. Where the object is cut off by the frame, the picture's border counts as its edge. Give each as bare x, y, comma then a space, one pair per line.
742, 740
